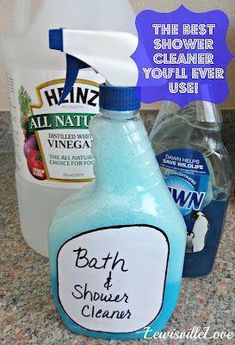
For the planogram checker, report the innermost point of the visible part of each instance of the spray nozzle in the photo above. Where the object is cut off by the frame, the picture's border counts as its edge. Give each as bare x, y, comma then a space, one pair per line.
108, 53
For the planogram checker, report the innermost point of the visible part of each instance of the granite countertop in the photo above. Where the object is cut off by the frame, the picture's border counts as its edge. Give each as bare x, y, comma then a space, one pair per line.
28, 315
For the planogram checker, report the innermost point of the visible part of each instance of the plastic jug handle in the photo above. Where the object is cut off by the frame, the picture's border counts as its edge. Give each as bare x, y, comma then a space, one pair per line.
23, 14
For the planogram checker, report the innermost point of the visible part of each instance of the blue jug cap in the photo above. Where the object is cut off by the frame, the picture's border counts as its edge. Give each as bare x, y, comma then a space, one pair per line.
116, 98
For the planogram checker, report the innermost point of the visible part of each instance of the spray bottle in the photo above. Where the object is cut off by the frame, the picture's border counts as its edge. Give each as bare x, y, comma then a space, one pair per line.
197, 170
117, 246
52, 143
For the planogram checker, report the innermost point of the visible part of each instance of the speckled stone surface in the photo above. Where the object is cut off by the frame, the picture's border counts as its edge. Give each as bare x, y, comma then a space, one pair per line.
27, 313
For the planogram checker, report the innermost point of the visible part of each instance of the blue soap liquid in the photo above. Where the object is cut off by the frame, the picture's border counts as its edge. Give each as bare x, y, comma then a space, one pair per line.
201, 263
129, 189
197, 129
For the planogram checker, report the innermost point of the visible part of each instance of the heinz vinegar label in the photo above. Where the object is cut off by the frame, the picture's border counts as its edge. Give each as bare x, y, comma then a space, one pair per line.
53, 143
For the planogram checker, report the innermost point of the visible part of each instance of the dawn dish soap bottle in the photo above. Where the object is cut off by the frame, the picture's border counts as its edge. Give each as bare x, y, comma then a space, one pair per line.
196, 168
117, 247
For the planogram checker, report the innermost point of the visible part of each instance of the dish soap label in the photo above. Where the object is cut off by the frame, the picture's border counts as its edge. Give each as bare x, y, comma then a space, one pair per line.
113, 279
187, 176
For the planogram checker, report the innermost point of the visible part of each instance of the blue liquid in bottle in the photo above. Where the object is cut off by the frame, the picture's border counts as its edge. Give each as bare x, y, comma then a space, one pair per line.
196, 167
117, 247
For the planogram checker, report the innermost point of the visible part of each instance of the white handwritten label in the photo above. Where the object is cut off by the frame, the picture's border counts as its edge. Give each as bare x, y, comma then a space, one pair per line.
113, 279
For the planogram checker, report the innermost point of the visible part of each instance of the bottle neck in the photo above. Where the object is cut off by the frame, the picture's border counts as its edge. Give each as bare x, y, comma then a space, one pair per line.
120, 116
124, 158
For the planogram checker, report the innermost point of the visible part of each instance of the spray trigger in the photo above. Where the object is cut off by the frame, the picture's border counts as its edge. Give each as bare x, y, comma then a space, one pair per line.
73, 67
107, 52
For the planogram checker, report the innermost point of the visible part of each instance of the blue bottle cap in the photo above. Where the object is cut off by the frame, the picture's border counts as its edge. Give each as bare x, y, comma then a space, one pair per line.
116, 98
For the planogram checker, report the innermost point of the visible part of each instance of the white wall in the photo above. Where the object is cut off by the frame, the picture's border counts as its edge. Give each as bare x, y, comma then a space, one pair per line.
228, 6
